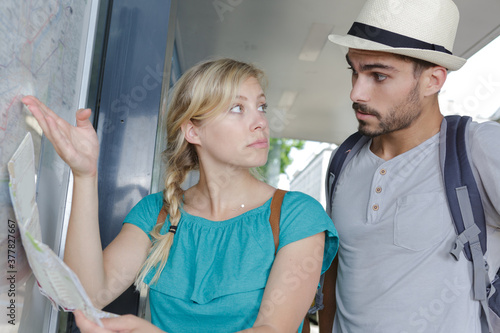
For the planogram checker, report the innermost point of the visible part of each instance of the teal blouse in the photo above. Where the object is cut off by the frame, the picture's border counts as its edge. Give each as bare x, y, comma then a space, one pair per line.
216, 272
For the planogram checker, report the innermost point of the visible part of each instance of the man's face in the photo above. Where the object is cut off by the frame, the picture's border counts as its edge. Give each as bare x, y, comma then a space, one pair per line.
385, 93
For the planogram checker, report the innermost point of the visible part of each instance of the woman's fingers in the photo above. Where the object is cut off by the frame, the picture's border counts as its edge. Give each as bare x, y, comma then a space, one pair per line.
59, 137
130, 324
32, 105
44, 115
87, 326
36, 106
55, 128
41, 112
77, 145
123, 324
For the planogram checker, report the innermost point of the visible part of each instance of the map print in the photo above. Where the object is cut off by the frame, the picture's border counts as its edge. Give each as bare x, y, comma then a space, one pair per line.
41, 55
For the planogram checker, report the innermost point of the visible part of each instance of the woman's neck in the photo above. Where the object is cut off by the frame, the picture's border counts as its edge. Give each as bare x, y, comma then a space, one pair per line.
220, 196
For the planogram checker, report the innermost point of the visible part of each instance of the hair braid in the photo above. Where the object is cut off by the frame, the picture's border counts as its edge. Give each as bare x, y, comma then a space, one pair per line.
180, 163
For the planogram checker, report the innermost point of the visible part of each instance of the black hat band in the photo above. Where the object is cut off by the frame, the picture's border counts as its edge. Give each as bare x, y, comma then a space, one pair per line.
392, 39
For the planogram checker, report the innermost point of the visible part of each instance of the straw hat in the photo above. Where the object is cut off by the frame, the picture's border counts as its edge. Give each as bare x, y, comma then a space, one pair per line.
422, 29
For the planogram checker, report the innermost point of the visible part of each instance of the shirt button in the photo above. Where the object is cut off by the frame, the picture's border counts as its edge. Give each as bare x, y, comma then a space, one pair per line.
383, 171
375, 207
378, 189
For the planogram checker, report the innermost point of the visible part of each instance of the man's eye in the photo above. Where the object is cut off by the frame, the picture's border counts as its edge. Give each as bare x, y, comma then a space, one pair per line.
380, 77
236, 109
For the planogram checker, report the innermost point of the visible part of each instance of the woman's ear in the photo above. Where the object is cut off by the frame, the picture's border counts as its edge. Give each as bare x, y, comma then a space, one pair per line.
190, 132
435, 78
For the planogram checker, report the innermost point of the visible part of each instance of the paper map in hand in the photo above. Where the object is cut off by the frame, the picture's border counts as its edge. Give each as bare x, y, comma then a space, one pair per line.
55, 279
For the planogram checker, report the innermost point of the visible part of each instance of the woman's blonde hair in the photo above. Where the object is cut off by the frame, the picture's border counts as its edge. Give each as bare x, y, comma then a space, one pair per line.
203, 92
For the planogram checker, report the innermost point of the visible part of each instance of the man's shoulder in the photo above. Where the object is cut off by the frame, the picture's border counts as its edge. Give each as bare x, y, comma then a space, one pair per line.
484, 136
486, 126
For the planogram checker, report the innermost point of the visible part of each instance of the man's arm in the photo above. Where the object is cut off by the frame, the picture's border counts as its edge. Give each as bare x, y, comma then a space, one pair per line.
327, 315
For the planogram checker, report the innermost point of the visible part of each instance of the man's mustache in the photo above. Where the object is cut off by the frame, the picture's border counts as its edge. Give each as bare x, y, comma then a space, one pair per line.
365, 109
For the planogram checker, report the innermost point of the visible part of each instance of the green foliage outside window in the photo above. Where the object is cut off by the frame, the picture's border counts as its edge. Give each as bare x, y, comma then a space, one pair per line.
279, 151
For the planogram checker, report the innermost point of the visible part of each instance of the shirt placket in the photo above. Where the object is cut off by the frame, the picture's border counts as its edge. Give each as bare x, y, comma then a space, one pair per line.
376, 204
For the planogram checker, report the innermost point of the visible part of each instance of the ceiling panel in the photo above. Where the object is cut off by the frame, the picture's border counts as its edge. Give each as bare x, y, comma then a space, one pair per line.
272, 33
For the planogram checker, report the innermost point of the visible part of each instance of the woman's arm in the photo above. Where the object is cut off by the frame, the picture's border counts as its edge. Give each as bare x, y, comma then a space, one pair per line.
104, 277
291, 285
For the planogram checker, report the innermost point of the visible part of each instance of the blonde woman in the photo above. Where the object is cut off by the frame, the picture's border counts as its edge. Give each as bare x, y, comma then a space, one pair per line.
211, 265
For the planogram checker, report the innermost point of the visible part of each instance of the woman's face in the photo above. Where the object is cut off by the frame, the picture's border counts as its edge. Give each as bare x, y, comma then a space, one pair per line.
239, 136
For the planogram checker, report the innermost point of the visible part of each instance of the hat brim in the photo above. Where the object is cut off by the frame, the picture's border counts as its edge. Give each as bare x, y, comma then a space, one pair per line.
448, 61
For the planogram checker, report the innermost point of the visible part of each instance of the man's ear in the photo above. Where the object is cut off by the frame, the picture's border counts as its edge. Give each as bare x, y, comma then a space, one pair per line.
434, 79
190, 132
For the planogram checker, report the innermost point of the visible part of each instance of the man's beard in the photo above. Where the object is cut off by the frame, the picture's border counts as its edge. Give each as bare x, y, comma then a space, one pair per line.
399, 117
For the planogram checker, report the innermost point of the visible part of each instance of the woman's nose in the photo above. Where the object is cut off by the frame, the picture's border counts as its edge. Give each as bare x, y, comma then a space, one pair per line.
259, 121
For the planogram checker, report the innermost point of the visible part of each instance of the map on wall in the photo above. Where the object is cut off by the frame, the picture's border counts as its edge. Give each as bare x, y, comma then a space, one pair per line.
40, 54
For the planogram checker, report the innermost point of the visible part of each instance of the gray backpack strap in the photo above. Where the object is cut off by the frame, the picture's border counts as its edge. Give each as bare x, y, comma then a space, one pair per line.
340, 158
480, 271
465, 205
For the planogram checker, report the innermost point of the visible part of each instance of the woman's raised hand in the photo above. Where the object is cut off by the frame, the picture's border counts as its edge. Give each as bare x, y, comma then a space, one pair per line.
77, 145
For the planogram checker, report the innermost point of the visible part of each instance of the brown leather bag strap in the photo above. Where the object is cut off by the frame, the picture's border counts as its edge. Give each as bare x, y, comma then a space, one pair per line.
274, 217
162, 215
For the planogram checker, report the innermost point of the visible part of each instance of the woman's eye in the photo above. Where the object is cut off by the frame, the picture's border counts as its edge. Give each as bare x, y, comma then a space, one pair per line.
236, 109
263, 107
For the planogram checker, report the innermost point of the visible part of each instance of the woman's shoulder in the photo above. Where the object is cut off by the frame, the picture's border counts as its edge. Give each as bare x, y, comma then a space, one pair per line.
145, 212
153, 199
295, 199
300, 206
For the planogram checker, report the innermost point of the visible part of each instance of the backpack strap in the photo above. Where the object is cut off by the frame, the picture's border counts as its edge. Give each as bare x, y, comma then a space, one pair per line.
461, 189
274, 217
337, 162
465, 203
